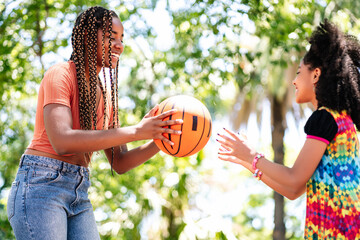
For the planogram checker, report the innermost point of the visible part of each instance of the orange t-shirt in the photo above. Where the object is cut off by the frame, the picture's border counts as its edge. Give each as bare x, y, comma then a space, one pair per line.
59, 85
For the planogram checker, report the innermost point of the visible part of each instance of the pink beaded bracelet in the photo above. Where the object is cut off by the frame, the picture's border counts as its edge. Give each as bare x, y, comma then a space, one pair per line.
257, 173
256, 159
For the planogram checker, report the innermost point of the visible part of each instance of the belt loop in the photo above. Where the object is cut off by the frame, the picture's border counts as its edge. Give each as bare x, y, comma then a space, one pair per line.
21, 160
87, 173
61, 166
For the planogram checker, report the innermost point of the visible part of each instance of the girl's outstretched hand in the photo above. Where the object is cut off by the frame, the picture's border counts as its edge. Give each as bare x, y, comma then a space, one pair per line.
153, 127
234, 148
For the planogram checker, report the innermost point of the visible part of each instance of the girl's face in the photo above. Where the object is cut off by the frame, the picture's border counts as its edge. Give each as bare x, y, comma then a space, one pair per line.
305, 84
117, 46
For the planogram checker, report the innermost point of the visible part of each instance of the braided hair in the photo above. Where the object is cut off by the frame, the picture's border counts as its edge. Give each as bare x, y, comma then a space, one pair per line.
89, 22
338, 56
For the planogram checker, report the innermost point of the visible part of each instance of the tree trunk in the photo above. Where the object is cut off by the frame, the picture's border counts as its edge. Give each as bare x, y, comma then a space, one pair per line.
278, 131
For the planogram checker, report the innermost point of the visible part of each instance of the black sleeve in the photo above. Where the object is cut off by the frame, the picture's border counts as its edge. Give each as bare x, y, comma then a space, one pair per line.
321, 124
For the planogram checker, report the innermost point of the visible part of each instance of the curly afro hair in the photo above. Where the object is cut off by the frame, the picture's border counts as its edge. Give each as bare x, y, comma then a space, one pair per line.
338, 56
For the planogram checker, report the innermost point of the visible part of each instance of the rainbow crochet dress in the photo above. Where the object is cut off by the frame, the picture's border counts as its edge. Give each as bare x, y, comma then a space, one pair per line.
333, 191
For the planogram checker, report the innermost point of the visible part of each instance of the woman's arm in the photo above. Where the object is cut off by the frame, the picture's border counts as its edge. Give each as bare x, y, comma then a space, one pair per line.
290, 182
127, 160
65, 140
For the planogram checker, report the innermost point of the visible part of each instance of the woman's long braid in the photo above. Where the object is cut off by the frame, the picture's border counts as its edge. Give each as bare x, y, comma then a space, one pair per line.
113, 96
78, 57
117, 91
91, 50
104, 88
115, 103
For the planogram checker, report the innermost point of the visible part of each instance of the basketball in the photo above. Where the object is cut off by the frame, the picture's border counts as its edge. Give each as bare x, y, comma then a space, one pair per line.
196, 127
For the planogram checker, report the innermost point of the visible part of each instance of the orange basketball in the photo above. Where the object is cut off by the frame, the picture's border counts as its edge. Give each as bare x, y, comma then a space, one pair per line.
196, 128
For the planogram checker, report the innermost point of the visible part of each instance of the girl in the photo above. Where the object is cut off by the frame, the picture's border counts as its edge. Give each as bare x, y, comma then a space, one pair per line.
328, 165
77, 115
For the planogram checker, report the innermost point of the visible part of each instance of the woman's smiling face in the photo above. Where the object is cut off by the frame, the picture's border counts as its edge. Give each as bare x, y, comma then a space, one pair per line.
117, 46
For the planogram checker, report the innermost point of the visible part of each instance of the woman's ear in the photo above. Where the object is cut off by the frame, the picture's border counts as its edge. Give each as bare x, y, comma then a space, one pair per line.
317, 73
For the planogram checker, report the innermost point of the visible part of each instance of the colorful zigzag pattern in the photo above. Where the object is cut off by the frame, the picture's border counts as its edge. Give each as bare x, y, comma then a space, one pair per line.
333, 192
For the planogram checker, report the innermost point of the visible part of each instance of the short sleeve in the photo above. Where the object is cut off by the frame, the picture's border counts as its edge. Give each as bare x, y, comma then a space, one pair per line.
321, 126
57, 86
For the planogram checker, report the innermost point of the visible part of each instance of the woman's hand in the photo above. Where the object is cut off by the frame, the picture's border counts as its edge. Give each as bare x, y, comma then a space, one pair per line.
234, 148
153, 127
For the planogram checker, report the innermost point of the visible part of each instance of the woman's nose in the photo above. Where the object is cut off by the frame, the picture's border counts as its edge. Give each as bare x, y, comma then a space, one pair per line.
118, 44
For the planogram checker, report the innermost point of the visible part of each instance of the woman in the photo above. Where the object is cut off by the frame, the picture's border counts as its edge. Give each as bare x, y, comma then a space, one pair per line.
77, 115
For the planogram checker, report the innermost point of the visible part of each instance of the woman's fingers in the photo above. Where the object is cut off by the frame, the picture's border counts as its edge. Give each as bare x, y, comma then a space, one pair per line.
171, 122
166, 114
164, 139
170, 131
152, 112
166, 131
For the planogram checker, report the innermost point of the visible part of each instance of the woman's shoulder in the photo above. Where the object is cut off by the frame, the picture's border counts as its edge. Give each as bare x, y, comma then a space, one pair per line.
63, 66
65, 71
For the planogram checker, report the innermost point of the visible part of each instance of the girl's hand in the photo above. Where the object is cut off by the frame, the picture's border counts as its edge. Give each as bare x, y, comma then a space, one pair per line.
153, 127
234, 148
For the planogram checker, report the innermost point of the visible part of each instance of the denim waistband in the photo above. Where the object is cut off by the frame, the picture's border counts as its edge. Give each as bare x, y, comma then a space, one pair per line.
28, 160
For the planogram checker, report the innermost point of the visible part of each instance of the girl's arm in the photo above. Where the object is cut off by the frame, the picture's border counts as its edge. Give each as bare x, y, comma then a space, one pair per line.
65, 140
290, 182
281, 189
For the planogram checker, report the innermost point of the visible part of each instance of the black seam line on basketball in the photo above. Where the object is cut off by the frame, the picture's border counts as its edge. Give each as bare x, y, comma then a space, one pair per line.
202, 134
209, 127
195, 123
162, 110
170, 117
173, 154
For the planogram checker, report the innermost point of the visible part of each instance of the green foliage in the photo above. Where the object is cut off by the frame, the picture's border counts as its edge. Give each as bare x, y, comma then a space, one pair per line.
15, 124
207, 56
161, 186
220, 236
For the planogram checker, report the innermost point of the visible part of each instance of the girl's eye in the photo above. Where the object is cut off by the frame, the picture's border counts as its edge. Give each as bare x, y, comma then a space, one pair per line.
297, 73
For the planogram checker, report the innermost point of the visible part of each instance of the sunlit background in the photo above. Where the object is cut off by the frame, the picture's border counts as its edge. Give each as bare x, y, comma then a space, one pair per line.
237, 57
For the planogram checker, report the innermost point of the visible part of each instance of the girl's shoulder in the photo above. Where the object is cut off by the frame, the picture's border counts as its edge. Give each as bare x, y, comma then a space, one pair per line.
323, 114
334, 113
322, 124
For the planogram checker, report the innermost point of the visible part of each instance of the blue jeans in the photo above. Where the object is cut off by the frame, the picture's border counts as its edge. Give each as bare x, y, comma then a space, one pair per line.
49, 200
